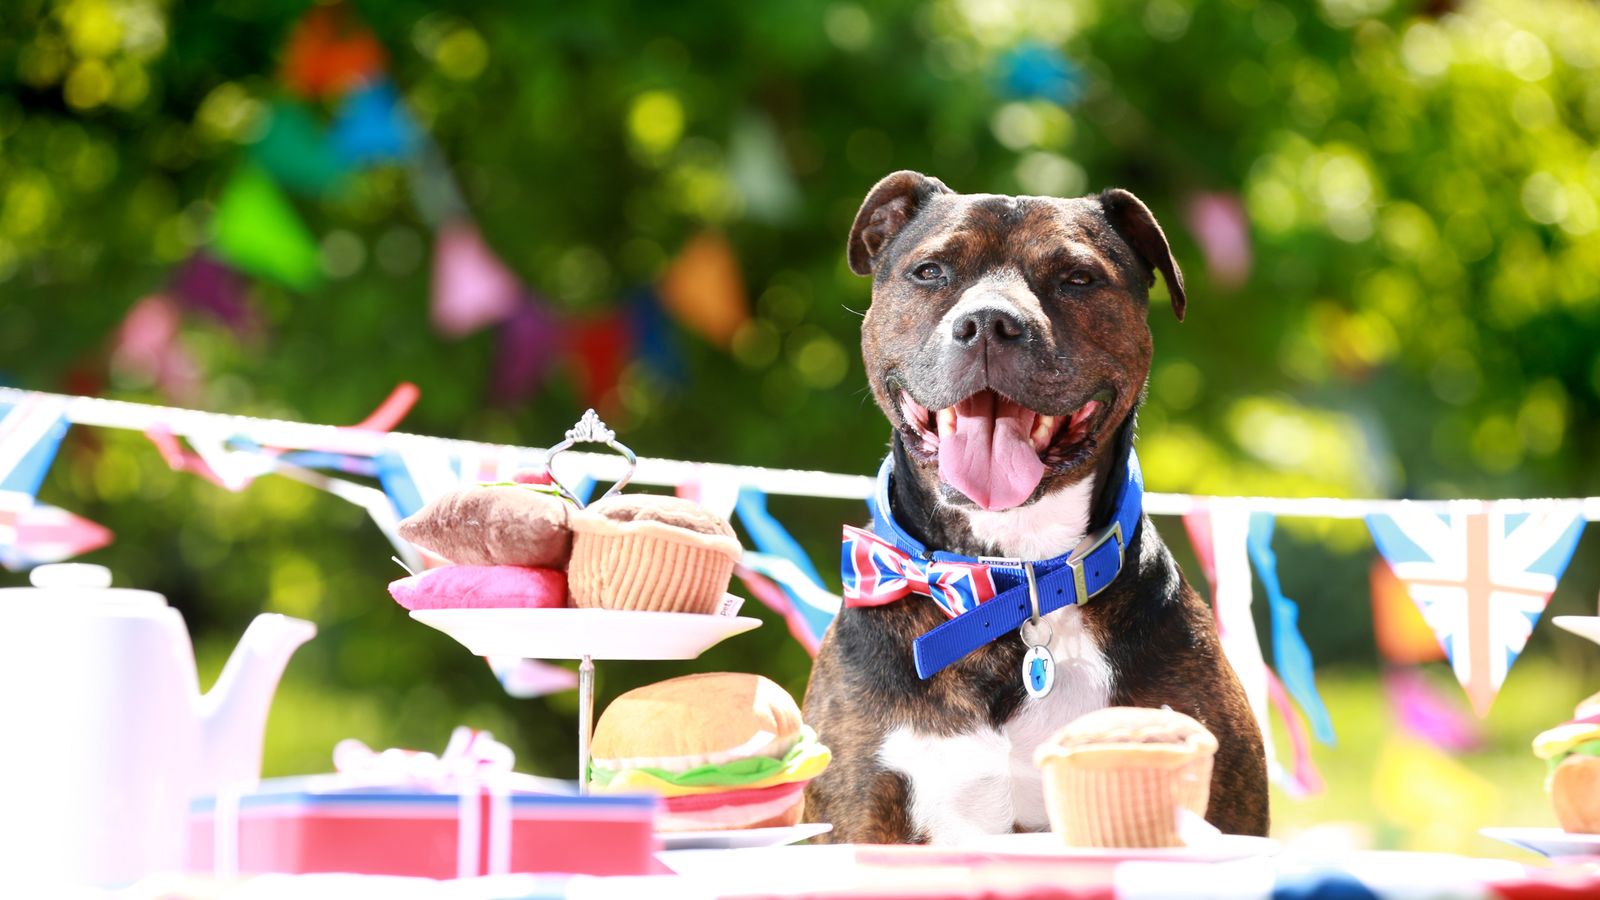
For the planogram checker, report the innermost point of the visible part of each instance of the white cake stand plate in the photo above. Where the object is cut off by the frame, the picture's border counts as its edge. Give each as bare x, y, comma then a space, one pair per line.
569, 633
1582, 626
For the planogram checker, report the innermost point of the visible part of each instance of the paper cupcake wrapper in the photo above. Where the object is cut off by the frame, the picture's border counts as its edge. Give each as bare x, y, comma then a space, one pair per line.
1124, 807
644, 569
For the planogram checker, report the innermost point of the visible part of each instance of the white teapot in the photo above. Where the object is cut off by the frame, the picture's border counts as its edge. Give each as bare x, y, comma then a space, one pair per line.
104, 734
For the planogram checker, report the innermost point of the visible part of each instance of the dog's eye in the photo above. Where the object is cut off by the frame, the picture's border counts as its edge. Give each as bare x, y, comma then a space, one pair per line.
928, 272
1078, 278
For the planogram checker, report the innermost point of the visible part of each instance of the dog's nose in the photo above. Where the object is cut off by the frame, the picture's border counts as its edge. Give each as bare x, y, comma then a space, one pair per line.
986, 323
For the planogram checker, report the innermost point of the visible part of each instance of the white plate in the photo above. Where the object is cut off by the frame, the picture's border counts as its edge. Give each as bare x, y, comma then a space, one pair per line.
1220, 848
1550, 842
1582, 626
570, 633
741, 838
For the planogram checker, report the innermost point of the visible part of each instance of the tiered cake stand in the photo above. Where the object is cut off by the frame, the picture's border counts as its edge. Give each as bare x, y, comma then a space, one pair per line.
585, 634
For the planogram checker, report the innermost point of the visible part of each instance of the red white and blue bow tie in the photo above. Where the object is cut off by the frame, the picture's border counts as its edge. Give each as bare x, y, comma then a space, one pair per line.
876, 572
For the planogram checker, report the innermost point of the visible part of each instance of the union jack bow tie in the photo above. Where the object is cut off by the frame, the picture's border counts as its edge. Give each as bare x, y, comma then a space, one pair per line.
876, 572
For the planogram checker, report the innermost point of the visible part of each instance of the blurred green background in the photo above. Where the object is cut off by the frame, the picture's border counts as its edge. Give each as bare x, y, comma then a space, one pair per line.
1418, 315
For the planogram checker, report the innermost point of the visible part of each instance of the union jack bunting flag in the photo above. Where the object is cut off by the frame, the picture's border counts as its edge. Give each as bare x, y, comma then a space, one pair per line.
1481, 581
876, 572
30, 431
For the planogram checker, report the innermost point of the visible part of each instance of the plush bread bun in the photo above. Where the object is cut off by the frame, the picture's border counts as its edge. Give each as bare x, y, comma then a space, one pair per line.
711, 718
1575, 793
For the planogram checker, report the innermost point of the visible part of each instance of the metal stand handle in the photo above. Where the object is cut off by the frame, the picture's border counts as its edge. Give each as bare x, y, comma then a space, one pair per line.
585, 720
590, 430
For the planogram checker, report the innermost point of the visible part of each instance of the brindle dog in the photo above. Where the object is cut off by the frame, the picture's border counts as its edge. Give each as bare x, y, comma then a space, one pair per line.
1007, 344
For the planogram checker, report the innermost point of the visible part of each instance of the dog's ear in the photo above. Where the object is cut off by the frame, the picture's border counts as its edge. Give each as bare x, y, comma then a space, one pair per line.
1134, 221
892, 203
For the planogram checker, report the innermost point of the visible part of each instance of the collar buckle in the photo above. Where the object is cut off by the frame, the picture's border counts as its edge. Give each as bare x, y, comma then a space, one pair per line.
1089, 545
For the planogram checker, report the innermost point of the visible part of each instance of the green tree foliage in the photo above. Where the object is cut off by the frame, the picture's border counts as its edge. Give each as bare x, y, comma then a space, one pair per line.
1421, 317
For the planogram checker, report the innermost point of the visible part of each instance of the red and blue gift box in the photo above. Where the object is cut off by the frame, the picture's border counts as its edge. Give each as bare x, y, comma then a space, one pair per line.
301, 825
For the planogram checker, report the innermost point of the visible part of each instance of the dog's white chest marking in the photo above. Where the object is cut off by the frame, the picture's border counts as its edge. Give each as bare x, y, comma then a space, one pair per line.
1050, 527
984, 782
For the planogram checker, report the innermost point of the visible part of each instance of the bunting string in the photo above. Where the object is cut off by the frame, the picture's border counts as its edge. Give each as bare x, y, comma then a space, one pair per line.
359, 442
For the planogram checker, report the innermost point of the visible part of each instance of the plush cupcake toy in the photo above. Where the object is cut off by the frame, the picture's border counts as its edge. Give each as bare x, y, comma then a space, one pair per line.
649, 552
1122, 776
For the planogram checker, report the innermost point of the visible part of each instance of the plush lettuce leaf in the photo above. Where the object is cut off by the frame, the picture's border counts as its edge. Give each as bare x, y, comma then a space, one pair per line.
805, 759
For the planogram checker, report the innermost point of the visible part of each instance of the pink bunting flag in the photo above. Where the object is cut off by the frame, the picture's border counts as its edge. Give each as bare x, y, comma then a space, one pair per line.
1222, 230
528, 678
1424, 711
472, 289
147, 350
47, 534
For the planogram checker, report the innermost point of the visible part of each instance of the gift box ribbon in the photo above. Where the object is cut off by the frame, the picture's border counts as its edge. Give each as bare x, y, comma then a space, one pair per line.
474, 766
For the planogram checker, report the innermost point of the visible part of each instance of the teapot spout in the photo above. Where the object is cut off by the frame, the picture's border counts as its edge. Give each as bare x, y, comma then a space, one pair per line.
233, 715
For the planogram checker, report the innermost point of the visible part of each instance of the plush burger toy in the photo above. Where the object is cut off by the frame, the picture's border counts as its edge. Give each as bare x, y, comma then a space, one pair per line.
724, 750
1572, 750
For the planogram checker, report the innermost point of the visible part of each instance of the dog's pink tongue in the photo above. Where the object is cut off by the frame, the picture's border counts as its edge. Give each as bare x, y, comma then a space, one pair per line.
989, 456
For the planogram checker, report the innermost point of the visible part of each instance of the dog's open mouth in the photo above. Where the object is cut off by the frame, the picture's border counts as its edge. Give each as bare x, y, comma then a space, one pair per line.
995, 450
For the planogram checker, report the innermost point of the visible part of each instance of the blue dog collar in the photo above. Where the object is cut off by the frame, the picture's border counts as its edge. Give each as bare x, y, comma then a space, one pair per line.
1071, 579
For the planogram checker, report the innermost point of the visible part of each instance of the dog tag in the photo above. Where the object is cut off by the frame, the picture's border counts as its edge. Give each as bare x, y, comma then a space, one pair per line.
1038, 671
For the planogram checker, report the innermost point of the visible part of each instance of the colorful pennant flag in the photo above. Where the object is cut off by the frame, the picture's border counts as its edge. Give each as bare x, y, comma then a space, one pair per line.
1220, 534
778, 584
600, 350
330, 52
1221, 228
1034, 70
296, 151
704, 289
1426, 714
529, 678
45, 534
372, 126
1403, 636
257, 230
147, 350
1289, 650
433, 188
472, 289
30, 433
204, 283
526, 349
1481, 581
769, 535
759, 168
653, 339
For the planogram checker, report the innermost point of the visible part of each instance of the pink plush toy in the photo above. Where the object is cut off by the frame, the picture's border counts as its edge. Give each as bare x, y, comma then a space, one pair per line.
482, 587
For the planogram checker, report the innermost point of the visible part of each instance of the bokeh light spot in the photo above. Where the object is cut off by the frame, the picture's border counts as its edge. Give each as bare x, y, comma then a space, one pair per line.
848, 26
462, 54
655, 122
821, 362
228, 113
1526, 56
756, 343
343, 253
90, 84
92, 26
1050, 175
1544, 198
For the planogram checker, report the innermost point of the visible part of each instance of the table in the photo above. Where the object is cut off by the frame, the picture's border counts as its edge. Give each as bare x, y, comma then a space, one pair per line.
893, 873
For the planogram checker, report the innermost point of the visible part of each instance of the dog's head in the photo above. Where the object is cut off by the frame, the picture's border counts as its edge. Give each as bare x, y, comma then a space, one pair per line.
1006, 340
